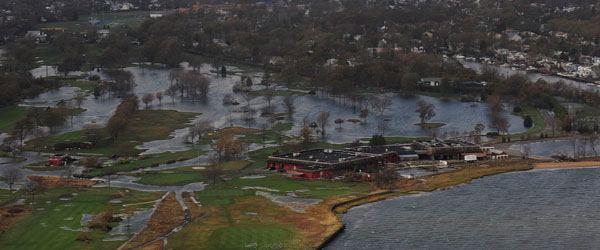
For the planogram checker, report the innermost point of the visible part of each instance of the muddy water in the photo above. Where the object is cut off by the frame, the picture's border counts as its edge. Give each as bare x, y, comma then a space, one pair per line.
555, 209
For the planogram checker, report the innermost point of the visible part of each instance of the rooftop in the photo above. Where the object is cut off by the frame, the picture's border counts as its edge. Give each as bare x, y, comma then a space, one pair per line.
323, 155
400, 149
446, 143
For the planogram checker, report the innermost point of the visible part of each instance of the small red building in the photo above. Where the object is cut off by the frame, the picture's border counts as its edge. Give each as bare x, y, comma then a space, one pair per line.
313, 172
59, 160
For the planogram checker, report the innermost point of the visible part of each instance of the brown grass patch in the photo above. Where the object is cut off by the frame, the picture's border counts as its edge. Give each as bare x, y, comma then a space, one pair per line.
157, 245
195, 210
12, 214
168, 215
60, 182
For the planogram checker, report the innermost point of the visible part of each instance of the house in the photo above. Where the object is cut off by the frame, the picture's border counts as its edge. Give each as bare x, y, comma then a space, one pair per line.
39, 36
276, 60
430, 81
60, 160
102, 33
514, 37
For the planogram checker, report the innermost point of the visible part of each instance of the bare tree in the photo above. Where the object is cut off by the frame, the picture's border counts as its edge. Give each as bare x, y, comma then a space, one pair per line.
230, 120
269, 95
249, 119
69, 171
215, 169
381, 104
306, 135
323, 120
93, 133
147, 99
159, 97
175, 75
31, 187
339, 121
200, 128
382, 127
288, 103
248, 97
23, 128
264, 130
79, 97
12, 175
426, 110
171, 92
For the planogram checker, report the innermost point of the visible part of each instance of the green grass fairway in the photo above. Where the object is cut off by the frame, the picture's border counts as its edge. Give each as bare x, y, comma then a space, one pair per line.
144, 162
10, 115
171, 177
539, 124
42, 228
143, 126
240, 236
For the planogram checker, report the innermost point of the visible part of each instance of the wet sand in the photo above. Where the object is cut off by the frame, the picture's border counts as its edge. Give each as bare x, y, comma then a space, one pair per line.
577, 164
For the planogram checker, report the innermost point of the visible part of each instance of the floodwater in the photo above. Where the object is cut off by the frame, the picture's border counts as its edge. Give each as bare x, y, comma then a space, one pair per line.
549, 148
400, 117
532, 76
555, 209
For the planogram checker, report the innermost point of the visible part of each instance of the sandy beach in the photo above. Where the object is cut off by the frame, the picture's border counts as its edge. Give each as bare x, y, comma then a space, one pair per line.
578, 164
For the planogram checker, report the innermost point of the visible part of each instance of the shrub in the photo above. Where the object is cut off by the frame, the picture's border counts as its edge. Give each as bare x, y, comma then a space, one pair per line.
517, 109
84, 237
527, 122
377, 140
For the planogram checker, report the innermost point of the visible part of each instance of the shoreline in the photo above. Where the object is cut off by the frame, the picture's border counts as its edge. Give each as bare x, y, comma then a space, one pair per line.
567, 165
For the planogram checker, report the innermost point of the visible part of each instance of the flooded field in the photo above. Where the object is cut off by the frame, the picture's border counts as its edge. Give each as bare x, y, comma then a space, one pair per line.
556, 209
400, 117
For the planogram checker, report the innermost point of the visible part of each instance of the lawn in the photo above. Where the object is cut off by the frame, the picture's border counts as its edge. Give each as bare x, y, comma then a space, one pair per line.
539, 124
183, 175
144, 162
10, 115
143, 126
42, 228
172, 177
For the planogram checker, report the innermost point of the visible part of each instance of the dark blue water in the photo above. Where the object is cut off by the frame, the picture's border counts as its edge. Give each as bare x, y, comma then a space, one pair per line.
550, 209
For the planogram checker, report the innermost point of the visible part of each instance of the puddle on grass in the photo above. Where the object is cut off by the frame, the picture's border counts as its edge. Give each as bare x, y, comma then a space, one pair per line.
132, 223
117, 238
296, 204
85, 219
260, 188
115, 200
252, 177
83, 229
